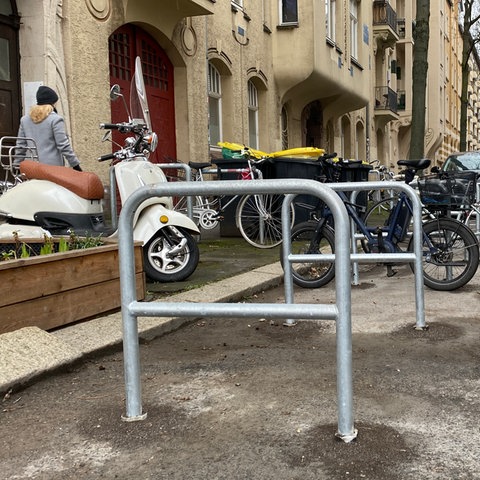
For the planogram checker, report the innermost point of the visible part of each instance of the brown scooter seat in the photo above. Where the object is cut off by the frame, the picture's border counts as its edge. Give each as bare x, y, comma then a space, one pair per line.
84, 184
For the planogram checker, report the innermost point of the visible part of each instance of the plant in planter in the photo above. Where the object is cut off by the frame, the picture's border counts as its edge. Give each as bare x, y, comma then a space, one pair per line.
19, 248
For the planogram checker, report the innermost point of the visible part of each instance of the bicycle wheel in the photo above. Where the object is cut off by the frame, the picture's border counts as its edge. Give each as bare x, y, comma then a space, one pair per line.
378, 212
204, 215
450, 254
305, 240
381, 195
259, 219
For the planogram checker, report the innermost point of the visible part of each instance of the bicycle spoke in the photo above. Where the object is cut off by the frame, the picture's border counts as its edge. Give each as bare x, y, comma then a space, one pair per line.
259, 219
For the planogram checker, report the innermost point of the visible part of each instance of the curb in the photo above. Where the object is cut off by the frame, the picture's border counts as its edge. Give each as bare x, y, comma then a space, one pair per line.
29, 353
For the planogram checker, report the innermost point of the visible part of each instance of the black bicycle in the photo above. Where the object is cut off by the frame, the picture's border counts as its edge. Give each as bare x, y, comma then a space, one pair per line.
450, 249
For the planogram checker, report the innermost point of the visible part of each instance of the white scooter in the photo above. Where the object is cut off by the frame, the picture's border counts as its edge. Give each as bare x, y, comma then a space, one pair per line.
61, 200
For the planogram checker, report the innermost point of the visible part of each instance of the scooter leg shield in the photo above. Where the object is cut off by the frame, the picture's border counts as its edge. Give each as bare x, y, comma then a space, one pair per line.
156, 217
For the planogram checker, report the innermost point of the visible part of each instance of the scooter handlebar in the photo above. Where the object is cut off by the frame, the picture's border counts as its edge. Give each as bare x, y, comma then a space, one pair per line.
111, 126
108, 156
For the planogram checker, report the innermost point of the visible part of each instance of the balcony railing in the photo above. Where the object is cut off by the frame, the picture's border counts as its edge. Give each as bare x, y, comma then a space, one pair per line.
386, 99
384, 14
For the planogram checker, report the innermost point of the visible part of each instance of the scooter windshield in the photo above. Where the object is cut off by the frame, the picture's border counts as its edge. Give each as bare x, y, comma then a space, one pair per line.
138, 97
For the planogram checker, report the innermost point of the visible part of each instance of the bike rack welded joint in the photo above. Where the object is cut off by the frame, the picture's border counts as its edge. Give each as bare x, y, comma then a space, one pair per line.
340, 311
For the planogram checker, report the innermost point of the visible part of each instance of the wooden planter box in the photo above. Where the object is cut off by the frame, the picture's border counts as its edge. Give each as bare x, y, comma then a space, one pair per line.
49, 291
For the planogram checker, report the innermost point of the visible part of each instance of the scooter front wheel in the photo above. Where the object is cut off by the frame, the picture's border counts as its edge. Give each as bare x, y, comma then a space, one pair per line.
171, 255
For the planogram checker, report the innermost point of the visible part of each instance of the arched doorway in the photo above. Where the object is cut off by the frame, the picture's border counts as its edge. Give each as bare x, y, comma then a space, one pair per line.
10, 104
125, 44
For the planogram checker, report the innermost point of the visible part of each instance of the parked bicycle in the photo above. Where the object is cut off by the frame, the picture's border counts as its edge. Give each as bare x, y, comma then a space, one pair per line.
380, 173
257, 217
463, 204
450, 249
454, 194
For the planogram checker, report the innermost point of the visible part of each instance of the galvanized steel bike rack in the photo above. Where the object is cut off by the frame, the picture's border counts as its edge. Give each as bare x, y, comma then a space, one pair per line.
340, 311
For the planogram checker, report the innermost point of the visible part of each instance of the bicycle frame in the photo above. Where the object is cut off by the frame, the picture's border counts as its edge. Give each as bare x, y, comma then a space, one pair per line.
257, 217
248, 173
388, 236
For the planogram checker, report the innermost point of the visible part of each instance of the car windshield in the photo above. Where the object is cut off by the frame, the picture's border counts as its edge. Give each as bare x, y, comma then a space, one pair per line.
463, 161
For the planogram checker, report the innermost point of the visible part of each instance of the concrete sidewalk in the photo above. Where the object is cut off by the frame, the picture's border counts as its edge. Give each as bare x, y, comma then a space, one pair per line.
30, 353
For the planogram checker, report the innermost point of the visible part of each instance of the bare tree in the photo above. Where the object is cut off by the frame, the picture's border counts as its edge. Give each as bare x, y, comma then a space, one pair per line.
419, 78
470, 37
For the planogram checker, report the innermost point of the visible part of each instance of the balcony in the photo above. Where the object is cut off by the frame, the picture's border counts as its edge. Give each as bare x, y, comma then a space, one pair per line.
385, 26
386, 105
386, 99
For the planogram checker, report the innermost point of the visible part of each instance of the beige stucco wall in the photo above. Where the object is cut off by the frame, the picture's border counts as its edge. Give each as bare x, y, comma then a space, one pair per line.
65, 45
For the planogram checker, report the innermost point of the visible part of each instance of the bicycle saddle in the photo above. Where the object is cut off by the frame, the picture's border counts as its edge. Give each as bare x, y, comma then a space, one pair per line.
415, 164
199, 165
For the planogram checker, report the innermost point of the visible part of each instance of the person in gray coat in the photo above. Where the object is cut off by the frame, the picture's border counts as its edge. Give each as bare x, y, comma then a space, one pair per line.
44, 125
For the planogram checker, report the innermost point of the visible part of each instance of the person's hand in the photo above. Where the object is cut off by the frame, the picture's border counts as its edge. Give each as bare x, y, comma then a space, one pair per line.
78, 168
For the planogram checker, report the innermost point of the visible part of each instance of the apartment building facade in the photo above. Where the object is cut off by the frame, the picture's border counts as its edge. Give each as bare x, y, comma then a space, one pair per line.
271, 74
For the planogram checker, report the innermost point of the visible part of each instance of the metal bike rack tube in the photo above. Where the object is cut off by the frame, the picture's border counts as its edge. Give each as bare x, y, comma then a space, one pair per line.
477, 215
416, 257
346, 431
340, 312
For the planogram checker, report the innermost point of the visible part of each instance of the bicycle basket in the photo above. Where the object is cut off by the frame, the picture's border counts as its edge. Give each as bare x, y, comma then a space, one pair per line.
448, 189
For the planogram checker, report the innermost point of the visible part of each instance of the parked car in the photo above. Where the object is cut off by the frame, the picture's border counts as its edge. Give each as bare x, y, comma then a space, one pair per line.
462, 161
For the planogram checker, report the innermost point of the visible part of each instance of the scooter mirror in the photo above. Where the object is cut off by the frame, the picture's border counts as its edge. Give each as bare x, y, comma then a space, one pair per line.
107, 136
115, 92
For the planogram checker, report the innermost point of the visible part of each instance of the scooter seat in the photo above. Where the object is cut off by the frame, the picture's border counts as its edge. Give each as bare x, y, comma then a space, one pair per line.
84, 184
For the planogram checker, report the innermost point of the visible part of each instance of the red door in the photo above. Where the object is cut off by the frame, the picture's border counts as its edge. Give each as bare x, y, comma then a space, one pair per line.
125, 44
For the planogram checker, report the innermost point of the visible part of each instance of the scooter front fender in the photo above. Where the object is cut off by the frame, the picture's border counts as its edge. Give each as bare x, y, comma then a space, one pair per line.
148, 222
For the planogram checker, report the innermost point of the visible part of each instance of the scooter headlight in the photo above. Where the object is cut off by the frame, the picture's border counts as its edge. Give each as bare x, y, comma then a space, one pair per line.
152, 140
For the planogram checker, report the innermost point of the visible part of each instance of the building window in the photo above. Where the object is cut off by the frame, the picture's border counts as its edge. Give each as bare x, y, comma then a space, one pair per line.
330, 19
6, 8
214, 105
252, 115
288, 11
354, 28
284, 125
